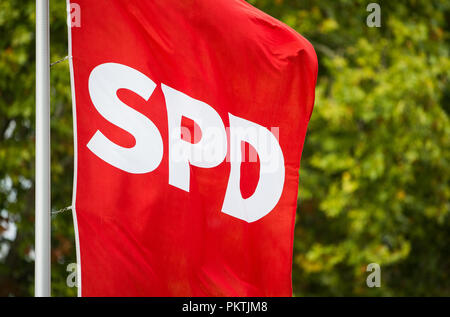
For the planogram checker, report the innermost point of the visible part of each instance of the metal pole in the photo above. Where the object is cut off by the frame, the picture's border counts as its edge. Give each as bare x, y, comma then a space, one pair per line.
42, 225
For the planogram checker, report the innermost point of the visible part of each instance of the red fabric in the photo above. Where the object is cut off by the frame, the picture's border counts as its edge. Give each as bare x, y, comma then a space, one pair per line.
139, 236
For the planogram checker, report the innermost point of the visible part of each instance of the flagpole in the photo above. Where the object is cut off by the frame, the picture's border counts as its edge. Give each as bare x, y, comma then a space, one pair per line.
42, 200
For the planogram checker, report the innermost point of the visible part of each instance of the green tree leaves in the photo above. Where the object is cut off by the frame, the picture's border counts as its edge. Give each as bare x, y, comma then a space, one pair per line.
17, 93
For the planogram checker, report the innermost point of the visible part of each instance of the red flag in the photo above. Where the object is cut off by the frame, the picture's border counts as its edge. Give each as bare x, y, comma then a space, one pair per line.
162, 212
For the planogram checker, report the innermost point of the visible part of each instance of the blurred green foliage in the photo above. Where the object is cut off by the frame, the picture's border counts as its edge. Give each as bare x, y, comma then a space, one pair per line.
375, 175
17, 93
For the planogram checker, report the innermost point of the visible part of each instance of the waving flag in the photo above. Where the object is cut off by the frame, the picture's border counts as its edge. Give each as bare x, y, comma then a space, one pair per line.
190, 120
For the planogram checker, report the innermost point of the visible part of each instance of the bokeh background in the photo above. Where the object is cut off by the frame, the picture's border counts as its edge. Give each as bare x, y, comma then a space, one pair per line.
375, 174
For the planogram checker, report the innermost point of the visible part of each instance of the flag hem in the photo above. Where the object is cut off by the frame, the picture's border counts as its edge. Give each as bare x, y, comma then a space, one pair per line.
75, 146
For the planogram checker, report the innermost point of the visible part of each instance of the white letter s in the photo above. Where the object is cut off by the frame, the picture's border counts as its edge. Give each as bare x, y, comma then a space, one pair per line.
147, 153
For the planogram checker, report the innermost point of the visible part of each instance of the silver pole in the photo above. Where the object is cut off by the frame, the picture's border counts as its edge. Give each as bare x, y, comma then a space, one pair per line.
42, 225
